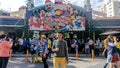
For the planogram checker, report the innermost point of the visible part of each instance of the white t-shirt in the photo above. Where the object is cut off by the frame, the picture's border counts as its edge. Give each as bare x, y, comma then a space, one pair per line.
91, 42
20, 41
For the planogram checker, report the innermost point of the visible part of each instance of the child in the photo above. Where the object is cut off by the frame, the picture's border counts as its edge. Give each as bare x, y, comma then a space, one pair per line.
32, 51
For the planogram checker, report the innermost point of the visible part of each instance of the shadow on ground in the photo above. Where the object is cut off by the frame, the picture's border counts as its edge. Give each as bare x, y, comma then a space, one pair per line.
21, 63
81, 60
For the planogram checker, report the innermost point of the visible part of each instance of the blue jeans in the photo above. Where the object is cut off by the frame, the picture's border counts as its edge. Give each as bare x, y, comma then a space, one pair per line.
109, 60
87, 50
20, 48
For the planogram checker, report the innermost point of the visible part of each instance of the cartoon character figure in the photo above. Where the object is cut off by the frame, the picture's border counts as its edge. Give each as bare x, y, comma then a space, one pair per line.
67, 12
58, 1
68, 27
58, 12
72, 17
78, 23
57, 26
50, 10
63, 29
46, 27
71, 24
53, 23
35, 24
35, 18
83, 21
75, 12
42, 13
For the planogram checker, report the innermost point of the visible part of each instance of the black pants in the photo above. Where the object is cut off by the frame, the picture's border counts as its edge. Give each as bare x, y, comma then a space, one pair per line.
91, 48
44, 59
25, 49
106, 54
49, 54
97, 51
3, 62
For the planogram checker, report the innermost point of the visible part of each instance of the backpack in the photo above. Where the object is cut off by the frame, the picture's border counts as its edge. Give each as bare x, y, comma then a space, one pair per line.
32, 51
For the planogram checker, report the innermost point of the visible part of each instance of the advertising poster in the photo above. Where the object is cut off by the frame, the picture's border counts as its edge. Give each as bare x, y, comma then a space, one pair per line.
56, 17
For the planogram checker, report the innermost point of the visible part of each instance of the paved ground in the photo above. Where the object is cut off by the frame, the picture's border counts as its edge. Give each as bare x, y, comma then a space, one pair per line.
83, 62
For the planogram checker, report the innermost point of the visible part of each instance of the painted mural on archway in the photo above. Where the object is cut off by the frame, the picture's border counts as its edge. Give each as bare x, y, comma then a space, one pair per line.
57, 16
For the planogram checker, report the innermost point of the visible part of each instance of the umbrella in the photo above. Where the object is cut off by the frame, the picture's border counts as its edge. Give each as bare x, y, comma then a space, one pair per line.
110, 32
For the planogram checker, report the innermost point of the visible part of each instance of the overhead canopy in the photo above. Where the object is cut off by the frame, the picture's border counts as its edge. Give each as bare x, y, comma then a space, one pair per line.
107, 23
11, 22
110, 32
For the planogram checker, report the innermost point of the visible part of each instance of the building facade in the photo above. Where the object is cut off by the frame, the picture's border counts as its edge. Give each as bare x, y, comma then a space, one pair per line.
4, 13
112, 8
98, 14
10, 24
20, 13
103, 9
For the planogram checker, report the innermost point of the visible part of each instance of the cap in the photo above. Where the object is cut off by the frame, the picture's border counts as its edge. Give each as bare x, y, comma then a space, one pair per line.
34, 36
43, 36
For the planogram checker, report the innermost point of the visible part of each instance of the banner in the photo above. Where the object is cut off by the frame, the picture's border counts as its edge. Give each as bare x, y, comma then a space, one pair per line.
57, 17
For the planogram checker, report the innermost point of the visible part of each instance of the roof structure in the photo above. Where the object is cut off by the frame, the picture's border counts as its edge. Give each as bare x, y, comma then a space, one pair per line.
7, 21
107, 23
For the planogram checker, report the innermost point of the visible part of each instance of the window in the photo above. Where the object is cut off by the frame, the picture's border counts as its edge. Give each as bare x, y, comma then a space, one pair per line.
110, 12
110, 8
110, 15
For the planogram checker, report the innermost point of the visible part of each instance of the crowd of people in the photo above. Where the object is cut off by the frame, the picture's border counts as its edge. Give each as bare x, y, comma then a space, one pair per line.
20, 45
60, 46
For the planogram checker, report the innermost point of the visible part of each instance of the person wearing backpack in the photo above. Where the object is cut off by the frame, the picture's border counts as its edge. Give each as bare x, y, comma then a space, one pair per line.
32, 51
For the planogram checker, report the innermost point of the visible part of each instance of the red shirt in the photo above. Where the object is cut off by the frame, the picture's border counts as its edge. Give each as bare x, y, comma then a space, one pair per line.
4, 48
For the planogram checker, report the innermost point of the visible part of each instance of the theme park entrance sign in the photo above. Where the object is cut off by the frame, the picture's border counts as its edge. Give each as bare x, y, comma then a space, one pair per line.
56, 17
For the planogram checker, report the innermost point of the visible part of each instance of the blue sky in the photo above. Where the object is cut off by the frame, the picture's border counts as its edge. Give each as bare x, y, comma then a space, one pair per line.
95, 4
13, 5
77, 2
